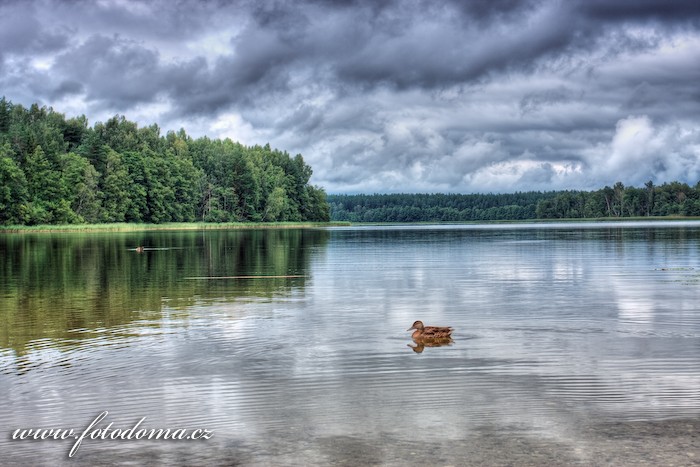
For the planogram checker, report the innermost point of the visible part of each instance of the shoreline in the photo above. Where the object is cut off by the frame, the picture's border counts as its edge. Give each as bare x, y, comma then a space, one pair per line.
133, 227
570, 220
127, 227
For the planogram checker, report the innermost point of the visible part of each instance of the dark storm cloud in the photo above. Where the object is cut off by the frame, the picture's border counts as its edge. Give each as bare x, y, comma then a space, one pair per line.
407, 45
22, 33
390, 95
433, 44
401, 44
161, 19
113, 70
67, 88
630, 10
357, 44
352, 49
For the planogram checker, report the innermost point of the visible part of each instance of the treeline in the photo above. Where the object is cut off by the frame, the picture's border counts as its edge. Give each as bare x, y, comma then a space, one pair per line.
669, 199
435, 207
55, 170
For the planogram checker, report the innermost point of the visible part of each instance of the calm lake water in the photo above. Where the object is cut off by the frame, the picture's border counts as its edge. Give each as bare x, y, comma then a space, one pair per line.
573, 343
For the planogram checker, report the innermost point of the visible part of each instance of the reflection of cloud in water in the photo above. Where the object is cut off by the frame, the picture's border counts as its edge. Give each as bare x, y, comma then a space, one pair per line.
635, 304
563, 269
550, 337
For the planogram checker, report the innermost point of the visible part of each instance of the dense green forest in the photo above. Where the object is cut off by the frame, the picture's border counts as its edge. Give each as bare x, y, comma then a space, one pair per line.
434, 207
669, 199
58, 170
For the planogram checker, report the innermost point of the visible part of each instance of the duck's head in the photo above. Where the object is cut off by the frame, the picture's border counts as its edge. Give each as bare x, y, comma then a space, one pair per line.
416, 325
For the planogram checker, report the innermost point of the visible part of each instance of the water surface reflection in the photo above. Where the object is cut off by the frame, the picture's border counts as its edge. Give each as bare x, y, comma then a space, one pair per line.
74, 286
570, 345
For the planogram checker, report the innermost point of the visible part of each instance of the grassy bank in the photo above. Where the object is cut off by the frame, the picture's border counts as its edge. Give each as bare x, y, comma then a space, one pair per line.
125, 227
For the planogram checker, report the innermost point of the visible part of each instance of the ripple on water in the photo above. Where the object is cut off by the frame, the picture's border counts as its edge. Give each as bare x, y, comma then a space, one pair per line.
556, 333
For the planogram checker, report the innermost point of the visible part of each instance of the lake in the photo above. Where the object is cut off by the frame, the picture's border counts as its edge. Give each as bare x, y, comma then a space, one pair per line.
572, 344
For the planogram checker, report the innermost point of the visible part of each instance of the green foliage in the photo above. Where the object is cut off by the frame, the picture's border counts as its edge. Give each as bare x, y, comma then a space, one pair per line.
54, 170
435, 207
116, 183
669, 199
5, 109
80, 181
13, 190
276, 204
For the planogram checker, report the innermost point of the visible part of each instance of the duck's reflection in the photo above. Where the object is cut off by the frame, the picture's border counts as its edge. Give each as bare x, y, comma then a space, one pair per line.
421, 344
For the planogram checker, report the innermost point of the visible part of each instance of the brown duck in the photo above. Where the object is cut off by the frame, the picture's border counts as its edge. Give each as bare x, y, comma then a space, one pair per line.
429, 332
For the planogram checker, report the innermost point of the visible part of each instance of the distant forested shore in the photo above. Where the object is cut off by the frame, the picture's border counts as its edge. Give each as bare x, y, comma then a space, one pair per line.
619, 201
58, 170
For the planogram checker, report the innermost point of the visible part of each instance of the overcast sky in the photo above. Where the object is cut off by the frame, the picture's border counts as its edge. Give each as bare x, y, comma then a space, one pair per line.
386, 96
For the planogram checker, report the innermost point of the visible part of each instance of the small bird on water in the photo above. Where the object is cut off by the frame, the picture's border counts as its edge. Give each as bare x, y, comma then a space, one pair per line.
429, 332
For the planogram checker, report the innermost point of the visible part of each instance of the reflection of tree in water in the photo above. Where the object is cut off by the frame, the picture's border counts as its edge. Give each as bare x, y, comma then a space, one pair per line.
67, 285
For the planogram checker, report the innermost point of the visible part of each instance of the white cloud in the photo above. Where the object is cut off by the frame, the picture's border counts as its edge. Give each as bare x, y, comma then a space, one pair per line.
634, 141
232, 125
641, 151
